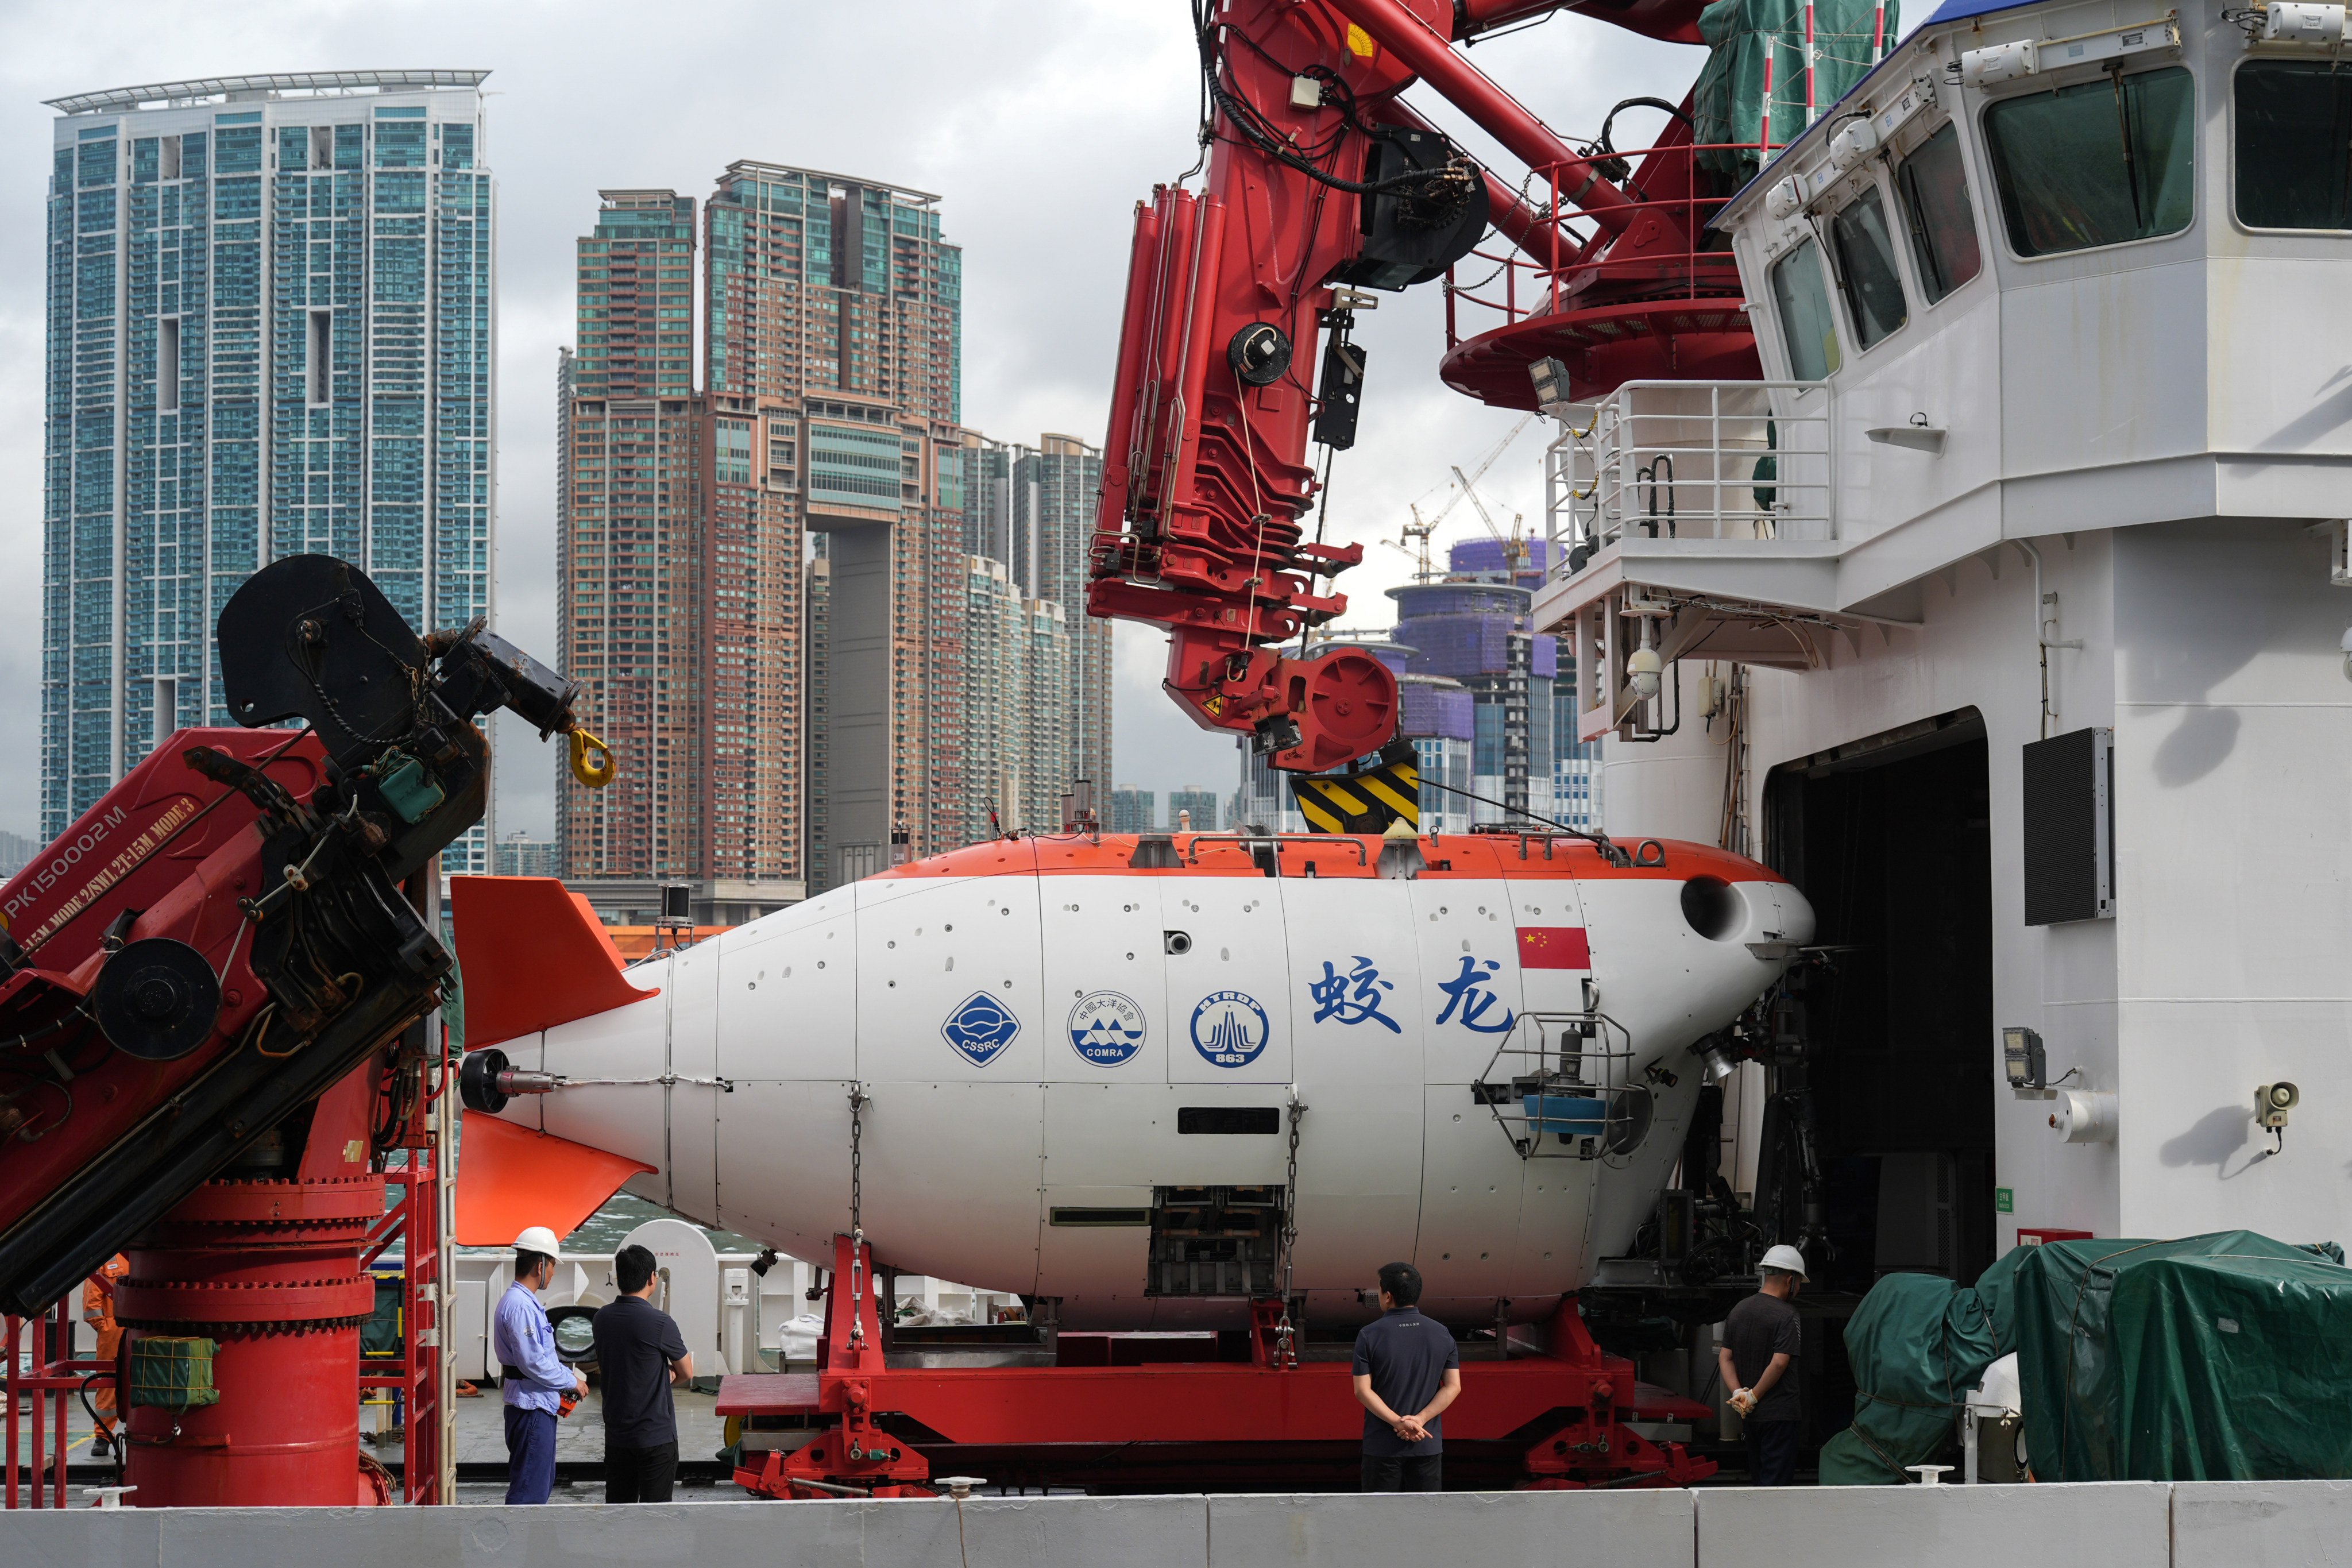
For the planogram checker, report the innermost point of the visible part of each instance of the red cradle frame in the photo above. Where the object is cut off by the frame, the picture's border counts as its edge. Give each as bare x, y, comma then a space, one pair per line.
1554, 1419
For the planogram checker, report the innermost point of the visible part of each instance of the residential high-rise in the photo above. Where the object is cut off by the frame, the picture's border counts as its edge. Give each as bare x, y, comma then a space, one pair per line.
635, 289
835, 305
1015, 702
519, 855
817, 684
1033, 508
679, 583
1201, 803
627, 597
16, 852
1134, 811
807, 593
831, 284
269, 333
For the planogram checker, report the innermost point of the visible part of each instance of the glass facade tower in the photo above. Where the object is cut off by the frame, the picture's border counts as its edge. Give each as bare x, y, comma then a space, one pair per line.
270, 332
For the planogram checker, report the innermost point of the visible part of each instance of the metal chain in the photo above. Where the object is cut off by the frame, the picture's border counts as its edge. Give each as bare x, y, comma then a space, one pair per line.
1283, 1332
856, 1225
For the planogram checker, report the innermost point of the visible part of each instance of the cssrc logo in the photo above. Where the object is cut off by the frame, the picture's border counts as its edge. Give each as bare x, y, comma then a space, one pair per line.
980, 1029
1229, 1029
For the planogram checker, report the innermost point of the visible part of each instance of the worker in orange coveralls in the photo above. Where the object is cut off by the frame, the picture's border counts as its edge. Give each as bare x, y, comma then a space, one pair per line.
97, 1310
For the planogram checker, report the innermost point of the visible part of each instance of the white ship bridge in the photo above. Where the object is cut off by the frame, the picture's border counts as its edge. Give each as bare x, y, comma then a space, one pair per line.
2019, 574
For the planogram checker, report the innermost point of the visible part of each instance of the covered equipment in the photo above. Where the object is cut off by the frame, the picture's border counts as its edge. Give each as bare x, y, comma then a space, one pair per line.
2217, 1357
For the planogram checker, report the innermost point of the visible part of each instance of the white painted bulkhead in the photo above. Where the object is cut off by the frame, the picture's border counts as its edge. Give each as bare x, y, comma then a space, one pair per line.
2165, 422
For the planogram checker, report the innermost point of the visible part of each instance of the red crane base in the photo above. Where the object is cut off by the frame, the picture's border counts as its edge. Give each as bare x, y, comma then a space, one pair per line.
269, 1271
1553, 1420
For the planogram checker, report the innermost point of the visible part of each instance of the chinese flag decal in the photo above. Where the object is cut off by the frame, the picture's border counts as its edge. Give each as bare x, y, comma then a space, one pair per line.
1554, 947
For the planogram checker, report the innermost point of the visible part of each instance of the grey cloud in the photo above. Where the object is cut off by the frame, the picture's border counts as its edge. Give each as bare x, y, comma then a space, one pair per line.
1040, 122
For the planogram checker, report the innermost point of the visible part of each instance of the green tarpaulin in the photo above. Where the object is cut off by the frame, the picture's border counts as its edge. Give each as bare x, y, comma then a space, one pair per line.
1917, 1344
2220, 1357
1728, 104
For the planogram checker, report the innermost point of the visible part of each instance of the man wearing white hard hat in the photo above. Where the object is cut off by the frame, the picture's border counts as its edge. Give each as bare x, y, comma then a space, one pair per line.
533, 1378
1758, 1359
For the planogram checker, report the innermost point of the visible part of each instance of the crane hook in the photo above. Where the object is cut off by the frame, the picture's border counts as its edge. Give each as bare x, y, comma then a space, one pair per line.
592, 760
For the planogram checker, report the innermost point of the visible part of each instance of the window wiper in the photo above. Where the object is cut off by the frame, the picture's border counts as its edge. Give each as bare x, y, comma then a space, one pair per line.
1921, 245
2123, 131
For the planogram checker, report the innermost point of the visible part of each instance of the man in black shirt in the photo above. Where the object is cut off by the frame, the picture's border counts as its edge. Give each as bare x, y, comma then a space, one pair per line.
1758, 1359
639, 1353
1407, 1371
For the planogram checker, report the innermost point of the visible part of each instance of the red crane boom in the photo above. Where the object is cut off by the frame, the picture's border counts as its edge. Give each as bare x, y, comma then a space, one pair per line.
1321, 184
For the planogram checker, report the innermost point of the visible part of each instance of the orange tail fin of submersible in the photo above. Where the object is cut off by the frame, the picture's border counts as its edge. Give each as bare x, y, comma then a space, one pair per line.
531, 954
509, 1177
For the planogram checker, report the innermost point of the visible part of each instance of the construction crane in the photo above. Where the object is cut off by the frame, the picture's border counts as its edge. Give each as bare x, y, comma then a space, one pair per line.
1515, 548
1421, 528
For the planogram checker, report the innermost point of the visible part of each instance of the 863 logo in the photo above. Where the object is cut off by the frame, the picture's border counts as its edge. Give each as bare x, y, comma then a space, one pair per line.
1229, 1028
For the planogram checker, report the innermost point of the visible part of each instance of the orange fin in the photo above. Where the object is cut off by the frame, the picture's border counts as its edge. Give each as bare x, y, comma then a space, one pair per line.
531, 954
510, 1178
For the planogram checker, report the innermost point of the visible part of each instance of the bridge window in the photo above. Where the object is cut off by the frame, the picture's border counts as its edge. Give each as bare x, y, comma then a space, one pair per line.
2295, 144
1865, 253
2096, 163
1934, 184
1806, 324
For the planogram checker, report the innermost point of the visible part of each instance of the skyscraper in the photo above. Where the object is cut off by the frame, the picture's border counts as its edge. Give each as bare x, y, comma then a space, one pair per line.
1201, 803
636, 317
836, 304
269, 333
816, 683
627, 597
1033, 508
679, 582
1134, 811
1015, 701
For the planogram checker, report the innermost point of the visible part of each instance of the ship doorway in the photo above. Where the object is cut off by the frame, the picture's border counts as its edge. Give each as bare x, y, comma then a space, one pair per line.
1890, 838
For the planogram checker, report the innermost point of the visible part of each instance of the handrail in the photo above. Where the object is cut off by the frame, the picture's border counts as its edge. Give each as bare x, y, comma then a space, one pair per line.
1692, 459
1599, 1068
1276, 840
1562, 265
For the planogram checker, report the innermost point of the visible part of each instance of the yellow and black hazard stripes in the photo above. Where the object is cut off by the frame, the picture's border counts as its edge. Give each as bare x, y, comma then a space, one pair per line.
1366, 802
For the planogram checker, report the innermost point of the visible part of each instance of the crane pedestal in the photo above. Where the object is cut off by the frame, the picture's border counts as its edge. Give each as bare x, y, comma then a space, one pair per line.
269, 1273
1553, 1419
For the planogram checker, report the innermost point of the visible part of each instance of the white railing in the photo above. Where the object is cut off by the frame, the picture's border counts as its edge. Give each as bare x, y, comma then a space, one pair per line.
1692, 459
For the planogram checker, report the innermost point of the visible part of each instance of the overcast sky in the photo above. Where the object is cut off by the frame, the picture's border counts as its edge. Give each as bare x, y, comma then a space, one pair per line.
1041, 123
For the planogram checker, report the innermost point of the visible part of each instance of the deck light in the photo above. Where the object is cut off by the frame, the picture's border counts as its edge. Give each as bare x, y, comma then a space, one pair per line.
2021, 1058
1550, 380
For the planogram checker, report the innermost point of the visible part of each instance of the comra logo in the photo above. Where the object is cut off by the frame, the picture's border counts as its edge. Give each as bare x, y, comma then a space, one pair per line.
1229, 1028
1107, 1029
980, 1027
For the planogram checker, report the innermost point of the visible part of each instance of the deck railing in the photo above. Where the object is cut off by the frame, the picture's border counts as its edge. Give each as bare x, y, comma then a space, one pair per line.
1691, 459
1550, 268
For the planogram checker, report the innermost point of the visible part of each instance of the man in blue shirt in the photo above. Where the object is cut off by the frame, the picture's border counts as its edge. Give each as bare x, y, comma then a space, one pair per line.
1407, 1371
533, 1379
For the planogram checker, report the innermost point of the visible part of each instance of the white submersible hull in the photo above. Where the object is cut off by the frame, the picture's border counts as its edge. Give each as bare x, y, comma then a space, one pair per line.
1068, 1067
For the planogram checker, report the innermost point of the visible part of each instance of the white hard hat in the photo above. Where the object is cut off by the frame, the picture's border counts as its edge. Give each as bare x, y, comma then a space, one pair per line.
1785, 1257
539, 1239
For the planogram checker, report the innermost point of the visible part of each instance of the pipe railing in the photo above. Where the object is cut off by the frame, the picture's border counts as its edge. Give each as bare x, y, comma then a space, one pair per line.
1549, 266
1692, 459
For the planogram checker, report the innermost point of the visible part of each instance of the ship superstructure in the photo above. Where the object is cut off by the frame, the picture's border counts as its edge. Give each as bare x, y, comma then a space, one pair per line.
2031, 535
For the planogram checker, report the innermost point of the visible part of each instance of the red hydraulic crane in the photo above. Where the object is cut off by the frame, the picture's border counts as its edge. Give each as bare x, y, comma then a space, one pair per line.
217, 1024
1322, 184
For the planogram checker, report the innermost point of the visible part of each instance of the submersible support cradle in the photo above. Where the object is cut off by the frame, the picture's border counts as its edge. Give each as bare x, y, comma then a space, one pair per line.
1553, 1415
